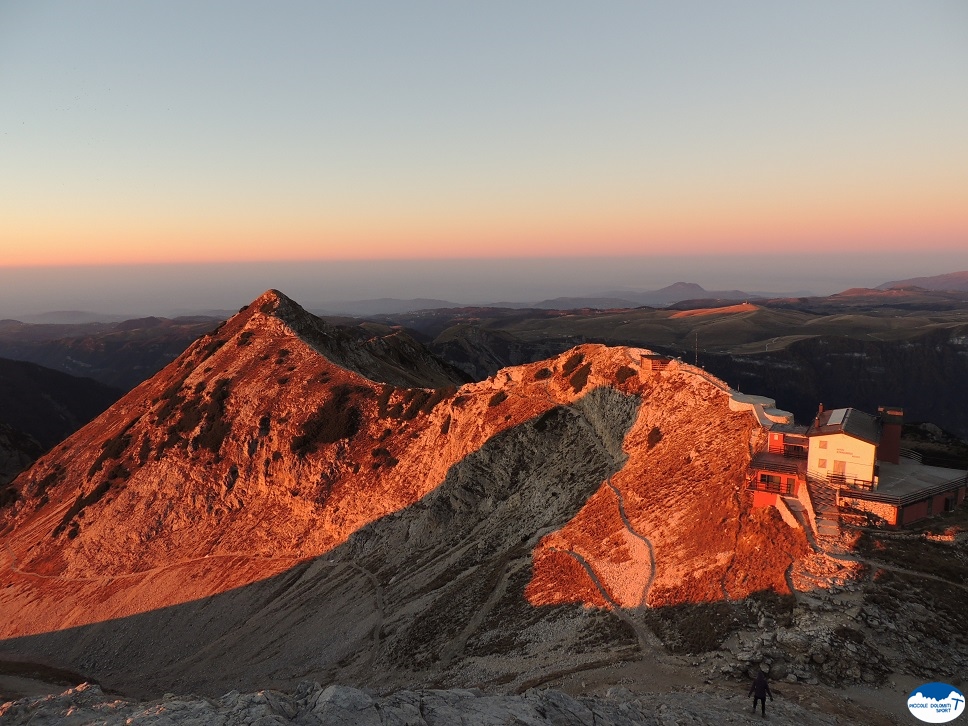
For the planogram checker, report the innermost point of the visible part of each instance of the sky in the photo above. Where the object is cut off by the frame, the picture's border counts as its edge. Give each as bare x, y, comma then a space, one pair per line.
180, 141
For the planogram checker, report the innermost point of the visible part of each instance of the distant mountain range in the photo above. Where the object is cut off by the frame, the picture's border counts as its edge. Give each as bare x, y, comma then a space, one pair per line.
87, 317
69, 317
679, 291
383, 306
613, 299
952, 282
673, 294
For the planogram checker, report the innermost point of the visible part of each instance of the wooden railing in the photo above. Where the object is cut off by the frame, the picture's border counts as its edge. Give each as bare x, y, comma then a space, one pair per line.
772, 487
859, 489
839, 481
781, 467
655, 362
910, 498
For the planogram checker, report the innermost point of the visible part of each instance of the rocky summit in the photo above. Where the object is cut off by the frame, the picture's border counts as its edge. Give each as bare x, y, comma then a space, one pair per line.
294, 502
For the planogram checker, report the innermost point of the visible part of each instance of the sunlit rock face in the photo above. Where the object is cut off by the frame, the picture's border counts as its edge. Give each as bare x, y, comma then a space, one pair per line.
671, 525
289, 498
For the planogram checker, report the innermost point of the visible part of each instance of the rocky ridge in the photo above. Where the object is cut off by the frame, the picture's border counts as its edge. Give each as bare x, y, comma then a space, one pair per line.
260, 473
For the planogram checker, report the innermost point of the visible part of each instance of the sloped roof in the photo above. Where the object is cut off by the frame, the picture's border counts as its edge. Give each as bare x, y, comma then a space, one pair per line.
765, 461
788, 428
850, 421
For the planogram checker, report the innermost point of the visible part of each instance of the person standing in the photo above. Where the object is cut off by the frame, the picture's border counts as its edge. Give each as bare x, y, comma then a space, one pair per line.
759, 691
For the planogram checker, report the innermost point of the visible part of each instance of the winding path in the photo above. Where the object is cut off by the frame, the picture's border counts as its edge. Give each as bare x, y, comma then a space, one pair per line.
616, 463
820, 547
648, 543
591, 574
894, 568
647, 639
12, 566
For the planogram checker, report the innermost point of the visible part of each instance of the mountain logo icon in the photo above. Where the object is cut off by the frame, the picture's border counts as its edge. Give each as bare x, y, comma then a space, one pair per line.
936, 703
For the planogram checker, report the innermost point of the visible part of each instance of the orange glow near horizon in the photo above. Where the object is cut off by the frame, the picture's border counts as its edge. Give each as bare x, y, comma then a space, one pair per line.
750, 214
717, 229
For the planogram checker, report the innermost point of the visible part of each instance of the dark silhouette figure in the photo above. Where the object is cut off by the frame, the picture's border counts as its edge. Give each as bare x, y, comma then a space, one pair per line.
759, 691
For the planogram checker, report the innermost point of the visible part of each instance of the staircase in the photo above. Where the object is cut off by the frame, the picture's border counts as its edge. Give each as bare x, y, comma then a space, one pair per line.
824, 499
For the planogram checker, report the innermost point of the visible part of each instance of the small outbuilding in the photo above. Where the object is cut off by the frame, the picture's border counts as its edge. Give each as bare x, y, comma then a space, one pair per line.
780, 470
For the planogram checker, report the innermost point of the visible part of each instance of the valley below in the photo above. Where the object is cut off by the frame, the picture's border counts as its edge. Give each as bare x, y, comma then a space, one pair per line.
860, 348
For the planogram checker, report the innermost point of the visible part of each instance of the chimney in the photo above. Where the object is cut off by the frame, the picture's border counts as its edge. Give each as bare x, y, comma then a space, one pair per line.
889, 448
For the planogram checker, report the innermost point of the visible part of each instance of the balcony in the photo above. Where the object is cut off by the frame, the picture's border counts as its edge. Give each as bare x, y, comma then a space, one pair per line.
773, 485
840, 481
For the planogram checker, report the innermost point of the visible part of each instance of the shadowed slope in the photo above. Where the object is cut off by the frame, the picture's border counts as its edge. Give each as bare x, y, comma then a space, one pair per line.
119, 355
17, 452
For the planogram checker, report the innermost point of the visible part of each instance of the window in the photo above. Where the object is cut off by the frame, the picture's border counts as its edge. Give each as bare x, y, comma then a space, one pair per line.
771, 482
822, 444
822, 463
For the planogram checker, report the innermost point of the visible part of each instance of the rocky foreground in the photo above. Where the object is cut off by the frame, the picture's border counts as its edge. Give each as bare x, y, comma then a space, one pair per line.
314, 705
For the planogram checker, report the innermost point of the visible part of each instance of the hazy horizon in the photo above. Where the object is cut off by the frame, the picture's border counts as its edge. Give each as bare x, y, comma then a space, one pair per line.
138, 290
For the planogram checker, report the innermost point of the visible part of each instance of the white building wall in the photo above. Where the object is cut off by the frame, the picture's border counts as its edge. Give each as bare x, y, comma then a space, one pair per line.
857, 456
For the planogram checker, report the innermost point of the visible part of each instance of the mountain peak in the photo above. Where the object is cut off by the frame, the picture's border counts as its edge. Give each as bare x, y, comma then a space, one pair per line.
682, 287
275, 321
274, 302
950, 281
